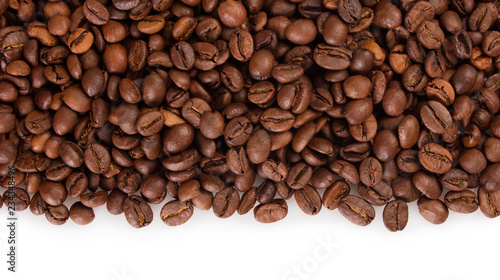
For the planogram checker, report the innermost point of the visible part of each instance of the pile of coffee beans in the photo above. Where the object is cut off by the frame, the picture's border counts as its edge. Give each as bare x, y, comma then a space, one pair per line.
237, 106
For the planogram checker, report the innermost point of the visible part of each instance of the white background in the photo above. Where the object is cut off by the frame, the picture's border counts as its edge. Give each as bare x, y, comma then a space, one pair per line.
325, 246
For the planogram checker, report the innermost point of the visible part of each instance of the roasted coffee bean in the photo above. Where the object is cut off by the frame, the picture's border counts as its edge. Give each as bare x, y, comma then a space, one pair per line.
461, 201
404, 189
356, 210
489, 202
332, 58
226, 202
241, 45
435, 158
308, 199
38, 206
238, 131
57, 215
433, 210
201, 99
115, 201
81, 214
137, 211
93, 200
370, 171
378, 194
232, 13
335, 193
16, 198
395, 215
176, 213
435, 117
271, 212
428, 184
54, 193
265, 192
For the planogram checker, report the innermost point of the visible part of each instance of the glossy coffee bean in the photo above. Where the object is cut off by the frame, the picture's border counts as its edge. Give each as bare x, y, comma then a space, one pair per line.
356, 210
395, 215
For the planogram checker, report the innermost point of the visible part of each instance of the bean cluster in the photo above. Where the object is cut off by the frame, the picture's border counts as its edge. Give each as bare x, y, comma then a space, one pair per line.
341, 104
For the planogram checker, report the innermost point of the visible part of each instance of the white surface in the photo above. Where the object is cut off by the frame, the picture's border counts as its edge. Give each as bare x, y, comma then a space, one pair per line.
206, 247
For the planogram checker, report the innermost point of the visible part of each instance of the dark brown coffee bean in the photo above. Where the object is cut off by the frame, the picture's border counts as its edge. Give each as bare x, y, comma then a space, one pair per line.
404, 189
238, 131
265, 192
395, 215
271, 212
433, 210
188, 190
277, 120
435, 116
335, 193
378, 194
57, 215
115, 201
428, 184
97, 158
226, 202
232, 13
137, 211
80, 40
489, 202
54, 193
350, 10
332, 58
95, 12
356, 210
241, 45
308, 199
81, 214
176, 213
16, 198
299, 176
247, 201
38, 206
472, 161
435, 158
274, 170
461, 201
370, 171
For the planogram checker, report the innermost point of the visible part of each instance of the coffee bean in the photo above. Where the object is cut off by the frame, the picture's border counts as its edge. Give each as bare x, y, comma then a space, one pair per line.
271, 212
332, 58
395, 215
95, 12
238, 131
54, 193
137, 211
378, 194
488, 202
57, 215
17, 198
308, 199
226, 202
232, 13
433, 210
80, 40
356, 210
176, 213
81, 214
247, 201
435, 117
38, 206
435, 158
461, 201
